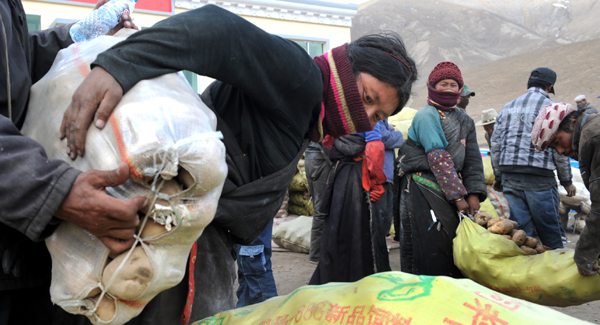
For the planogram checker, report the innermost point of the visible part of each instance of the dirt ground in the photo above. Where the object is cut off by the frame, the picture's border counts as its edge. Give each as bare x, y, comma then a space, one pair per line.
293, 270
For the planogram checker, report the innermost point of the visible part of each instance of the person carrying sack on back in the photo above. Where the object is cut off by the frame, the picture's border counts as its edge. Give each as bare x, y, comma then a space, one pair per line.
268, 103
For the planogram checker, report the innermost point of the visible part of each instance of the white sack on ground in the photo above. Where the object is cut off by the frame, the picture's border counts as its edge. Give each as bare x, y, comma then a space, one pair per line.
499, 202
160, 128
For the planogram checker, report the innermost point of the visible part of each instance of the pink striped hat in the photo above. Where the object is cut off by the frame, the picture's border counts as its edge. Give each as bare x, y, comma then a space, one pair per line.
546, 124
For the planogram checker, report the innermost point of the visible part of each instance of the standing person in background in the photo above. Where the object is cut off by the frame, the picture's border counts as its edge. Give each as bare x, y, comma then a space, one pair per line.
36, 193
583, 105
381, 208
576, 134
525, 175
464, 98
351, 244
440, 173
255, 275
392, 140
488, 119
268, 105
317, 165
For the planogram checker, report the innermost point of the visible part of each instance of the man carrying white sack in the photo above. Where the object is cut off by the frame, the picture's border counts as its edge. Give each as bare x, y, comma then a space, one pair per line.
268, 104
37, 193
576, 134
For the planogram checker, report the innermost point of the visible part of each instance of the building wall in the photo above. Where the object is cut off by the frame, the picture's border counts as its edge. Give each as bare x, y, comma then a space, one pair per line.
330, 29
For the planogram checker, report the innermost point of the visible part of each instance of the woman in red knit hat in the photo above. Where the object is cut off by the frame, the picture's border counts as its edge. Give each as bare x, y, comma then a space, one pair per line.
440, 173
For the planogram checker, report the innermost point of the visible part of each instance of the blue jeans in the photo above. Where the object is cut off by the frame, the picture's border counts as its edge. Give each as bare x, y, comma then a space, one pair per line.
255, 275
537, 210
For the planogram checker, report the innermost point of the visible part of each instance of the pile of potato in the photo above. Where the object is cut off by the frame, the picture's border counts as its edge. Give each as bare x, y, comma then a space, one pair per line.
508, 229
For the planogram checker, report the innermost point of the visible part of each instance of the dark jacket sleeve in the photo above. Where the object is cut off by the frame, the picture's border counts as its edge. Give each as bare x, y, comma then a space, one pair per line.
496, 148
32, 187
588, 245
214, 42
472, 171
563, 168
44, 45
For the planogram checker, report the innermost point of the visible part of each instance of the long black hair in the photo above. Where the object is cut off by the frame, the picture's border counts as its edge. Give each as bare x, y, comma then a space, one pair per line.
384, 57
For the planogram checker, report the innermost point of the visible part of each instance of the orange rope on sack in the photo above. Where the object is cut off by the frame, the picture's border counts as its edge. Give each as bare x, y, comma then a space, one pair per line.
122, 150
82, 66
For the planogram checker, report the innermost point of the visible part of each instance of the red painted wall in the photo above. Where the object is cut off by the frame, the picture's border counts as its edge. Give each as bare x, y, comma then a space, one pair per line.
154, 5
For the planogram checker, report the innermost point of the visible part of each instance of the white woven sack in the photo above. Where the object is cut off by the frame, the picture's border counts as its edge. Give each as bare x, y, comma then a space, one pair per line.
294, 235
582, 195
159, 127
499, 202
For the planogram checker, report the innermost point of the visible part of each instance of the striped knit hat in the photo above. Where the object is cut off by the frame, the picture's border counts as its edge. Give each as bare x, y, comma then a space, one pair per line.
342, 109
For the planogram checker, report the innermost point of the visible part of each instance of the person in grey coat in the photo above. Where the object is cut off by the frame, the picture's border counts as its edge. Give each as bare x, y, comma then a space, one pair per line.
582, 104
317, 165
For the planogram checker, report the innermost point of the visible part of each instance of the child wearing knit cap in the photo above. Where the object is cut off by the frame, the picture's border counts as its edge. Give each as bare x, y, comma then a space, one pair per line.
440, 174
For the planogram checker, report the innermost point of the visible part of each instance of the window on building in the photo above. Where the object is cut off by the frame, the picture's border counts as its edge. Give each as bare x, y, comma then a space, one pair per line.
313, 48
34, 22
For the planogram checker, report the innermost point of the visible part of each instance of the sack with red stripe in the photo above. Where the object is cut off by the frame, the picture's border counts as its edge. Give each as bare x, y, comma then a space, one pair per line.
167, 136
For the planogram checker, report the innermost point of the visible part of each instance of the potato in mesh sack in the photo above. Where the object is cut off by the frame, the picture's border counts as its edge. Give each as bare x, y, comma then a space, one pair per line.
167, 137
498, 263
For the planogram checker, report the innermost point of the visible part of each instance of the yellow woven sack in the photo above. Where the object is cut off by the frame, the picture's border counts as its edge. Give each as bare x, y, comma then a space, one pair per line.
297, 199
550, 278
298, 210
299, 183
488, 207
488, 170
406, 114
394, 298
402, 121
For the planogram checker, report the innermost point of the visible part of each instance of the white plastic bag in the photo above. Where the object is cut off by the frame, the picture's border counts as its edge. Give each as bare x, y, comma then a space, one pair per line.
160, 128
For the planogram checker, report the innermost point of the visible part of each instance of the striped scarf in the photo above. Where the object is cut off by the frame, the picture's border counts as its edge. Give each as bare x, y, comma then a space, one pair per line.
342, 109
